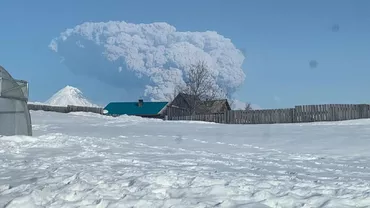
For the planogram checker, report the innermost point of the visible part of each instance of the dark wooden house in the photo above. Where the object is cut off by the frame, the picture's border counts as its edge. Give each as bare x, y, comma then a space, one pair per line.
213, 106
185, 104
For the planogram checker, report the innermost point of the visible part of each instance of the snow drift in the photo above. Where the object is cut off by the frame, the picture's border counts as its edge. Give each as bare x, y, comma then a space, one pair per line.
69, 96
147, 59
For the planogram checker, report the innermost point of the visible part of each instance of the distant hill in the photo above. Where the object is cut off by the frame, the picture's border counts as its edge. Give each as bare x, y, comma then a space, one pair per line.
69, 96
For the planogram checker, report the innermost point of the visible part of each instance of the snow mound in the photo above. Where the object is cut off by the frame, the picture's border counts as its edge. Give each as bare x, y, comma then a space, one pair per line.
69, 96
18, 139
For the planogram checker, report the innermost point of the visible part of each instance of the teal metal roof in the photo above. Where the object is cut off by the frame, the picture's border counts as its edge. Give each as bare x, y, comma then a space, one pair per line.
132, 108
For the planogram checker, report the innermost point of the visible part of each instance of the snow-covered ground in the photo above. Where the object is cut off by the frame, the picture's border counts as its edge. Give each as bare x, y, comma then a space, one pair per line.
88, 160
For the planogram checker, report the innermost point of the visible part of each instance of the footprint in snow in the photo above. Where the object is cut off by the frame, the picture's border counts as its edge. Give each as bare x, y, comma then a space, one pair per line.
179, 139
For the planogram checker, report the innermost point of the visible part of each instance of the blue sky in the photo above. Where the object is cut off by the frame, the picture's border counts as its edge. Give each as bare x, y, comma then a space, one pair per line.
279, 39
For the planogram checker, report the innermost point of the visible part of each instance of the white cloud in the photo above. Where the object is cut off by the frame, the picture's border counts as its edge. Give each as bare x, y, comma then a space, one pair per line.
151, 58
53, 45
79, 44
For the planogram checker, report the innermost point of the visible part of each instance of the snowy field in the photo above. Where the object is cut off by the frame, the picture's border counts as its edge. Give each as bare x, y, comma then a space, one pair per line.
88, 160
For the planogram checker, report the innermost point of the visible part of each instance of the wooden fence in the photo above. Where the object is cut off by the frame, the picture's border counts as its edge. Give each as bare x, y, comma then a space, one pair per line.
298, 114
65, 109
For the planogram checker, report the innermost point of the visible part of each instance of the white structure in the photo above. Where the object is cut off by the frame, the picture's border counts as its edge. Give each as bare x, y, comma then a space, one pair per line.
15, 117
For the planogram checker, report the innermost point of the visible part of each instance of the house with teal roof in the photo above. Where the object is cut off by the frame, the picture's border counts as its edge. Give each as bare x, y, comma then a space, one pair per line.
140, 108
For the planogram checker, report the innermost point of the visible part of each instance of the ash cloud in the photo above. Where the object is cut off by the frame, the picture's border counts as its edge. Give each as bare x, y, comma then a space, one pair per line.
147, 59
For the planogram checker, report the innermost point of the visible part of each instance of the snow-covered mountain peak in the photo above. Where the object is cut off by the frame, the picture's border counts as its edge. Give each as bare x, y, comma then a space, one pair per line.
71, 89
69, 96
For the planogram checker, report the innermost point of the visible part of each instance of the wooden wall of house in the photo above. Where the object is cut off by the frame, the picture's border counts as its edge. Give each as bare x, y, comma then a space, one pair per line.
224, 107
178, 107
180, 102
174, 111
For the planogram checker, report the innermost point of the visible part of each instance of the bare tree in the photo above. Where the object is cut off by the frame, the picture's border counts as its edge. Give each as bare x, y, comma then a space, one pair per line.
199, 82
248, 107
199, 85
